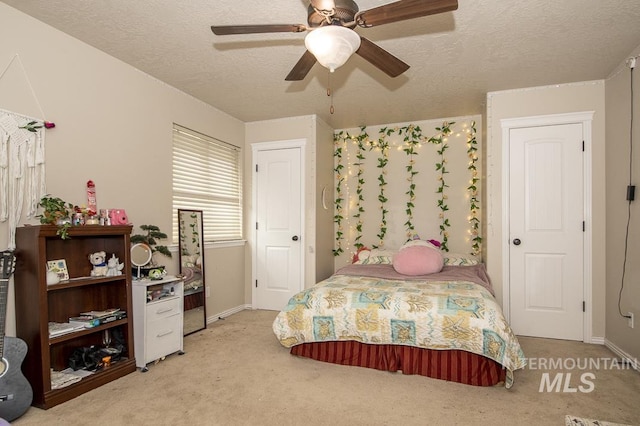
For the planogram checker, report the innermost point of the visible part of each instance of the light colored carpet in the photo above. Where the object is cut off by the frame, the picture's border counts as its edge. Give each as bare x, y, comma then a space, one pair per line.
236, 373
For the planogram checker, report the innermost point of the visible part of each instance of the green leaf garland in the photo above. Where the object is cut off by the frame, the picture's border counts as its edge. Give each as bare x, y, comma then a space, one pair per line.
441, 167
383, 160
474, 203
338, 218
361, 143
412, 138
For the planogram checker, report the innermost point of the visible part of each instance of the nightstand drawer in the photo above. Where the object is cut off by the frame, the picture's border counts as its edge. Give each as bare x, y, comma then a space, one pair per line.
163, 337
163, 309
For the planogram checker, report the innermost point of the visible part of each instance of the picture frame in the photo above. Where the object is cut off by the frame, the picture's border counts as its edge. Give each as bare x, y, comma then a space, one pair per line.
59, 267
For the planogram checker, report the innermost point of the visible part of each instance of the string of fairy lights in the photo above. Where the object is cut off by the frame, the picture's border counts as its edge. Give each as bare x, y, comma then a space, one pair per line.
347, 168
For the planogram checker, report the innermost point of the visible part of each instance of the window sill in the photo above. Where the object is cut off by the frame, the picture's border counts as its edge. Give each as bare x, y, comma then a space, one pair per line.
213, 245
224, 244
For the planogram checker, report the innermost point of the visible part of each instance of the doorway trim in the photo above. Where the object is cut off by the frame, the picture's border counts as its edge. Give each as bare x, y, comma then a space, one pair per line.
270, 146
586, 119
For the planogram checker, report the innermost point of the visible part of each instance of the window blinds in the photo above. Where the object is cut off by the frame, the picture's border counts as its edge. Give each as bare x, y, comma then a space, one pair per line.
207, 176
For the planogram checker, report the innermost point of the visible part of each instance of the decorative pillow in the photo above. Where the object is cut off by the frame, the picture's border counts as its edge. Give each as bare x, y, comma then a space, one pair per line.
374, 257
456, 259
362, 253
418, 260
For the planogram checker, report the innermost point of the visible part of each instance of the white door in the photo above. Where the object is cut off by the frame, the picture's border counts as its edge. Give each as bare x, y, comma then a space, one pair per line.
279, 256
546, 231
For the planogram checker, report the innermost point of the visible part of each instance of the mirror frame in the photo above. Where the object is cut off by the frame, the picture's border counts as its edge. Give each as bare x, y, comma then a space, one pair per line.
190, 232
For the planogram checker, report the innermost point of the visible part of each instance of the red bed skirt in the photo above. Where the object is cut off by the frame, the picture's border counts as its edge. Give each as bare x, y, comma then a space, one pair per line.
452, 365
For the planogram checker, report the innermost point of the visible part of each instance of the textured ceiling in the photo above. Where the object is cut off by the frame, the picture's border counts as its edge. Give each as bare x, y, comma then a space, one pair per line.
455, 57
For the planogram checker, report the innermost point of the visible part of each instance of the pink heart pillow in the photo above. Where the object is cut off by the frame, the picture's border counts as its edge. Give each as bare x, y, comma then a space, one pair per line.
418, 260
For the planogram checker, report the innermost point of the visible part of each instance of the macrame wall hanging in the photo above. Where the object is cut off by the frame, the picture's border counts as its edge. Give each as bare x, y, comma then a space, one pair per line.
22, 162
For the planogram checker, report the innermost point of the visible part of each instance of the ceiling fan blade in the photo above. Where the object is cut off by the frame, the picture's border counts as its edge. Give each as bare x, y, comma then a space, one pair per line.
254, 29
302, 68
382, 59
403, 10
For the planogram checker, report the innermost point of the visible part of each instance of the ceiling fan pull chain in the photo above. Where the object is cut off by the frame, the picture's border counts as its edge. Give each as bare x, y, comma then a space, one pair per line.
330, 92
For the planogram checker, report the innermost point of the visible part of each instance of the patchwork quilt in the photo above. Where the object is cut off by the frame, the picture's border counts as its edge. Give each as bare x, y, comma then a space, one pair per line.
422, 313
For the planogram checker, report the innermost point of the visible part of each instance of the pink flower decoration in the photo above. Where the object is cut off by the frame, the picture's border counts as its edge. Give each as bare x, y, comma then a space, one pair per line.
49, 125
435, 242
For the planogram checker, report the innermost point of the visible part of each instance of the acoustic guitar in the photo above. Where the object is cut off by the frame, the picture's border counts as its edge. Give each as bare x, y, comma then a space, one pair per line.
15, 392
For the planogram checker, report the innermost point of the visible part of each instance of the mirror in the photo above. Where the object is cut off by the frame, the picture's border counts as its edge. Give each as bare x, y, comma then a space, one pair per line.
191, 252
140, 256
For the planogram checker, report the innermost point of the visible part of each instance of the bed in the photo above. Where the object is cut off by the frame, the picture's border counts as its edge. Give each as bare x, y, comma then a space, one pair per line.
445, 325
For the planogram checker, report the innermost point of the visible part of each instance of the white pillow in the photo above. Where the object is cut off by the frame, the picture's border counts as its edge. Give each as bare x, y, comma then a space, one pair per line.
457, 259
375, 257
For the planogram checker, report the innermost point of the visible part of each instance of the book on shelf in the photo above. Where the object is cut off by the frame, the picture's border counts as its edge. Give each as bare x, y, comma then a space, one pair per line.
100, 314
60, 328
116, 316
85, 321
88, 321
59, 267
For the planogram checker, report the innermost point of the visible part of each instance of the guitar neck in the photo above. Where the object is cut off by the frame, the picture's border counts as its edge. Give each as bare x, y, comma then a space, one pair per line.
7, 266
4, 289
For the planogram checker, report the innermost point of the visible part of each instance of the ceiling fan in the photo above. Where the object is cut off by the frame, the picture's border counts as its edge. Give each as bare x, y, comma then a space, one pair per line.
335, 20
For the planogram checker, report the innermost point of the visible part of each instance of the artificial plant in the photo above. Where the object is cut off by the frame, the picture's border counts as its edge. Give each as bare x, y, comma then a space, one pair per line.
56, 212
150, 237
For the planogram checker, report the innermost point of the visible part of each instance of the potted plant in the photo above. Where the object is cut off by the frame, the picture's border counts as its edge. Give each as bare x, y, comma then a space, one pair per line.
150, 237
56, 212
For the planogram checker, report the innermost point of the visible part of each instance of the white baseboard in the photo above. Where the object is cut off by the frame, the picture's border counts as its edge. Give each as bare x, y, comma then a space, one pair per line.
224, 314
596, 340
622, 354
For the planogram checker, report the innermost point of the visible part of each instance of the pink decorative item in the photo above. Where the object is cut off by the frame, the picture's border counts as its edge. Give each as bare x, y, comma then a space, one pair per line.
418, 260
435, 243
118, 217
91, 199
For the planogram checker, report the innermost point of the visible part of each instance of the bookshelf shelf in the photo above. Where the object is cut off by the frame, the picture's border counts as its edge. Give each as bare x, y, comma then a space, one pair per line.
81, 281
79, 333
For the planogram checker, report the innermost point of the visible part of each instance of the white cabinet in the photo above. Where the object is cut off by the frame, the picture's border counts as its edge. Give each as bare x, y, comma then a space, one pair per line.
157, 319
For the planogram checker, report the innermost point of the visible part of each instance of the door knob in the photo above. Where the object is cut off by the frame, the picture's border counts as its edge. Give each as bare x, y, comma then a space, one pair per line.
516, 242
295, 238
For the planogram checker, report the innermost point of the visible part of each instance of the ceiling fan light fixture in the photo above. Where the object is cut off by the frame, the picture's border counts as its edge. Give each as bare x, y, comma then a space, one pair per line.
332, 45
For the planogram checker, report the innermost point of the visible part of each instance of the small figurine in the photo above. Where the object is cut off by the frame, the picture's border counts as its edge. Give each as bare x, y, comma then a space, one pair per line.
114, 267
98, 260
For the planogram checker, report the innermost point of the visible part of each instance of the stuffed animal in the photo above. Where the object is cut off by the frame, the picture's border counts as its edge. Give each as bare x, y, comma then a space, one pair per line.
114, 267
98, 260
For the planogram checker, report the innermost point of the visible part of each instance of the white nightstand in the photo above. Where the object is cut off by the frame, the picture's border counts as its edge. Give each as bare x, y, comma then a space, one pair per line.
157, 319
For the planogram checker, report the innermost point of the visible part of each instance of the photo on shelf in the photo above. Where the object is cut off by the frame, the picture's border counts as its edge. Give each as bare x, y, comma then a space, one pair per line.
59, 267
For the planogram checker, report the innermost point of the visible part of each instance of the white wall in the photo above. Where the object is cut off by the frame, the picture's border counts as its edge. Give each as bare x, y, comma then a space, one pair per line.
618, 102
113, 126
566, 98
316, 134
324, 211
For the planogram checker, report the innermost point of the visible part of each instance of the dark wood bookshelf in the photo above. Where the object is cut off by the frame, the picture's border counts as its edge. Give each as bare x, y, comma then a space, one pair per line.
37, 304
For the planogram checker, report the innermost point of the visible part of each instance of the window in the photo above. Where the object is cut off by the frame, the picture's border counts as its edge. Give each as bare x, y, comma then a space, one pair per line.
207, 176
